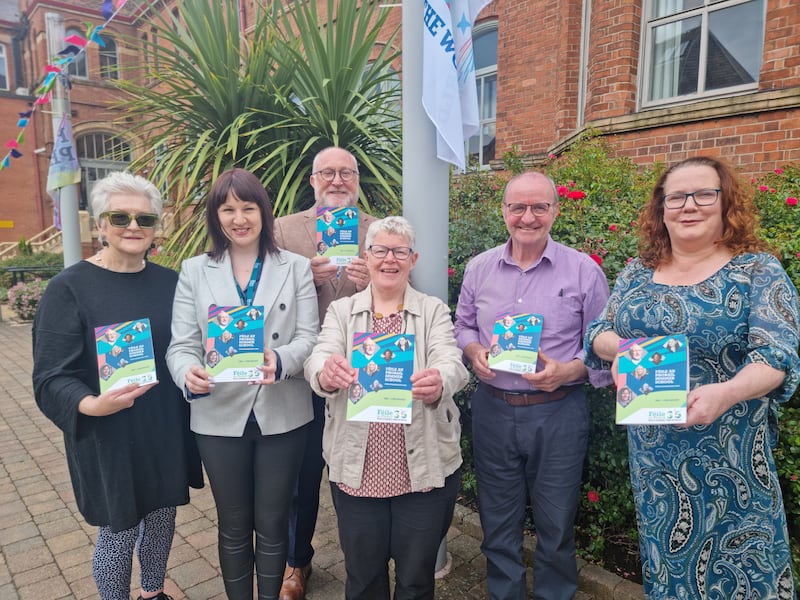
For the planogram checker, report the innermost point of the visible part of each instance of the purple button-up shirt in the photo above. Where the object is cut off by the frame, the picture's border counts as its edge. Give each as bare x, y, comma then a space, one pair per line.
565, 286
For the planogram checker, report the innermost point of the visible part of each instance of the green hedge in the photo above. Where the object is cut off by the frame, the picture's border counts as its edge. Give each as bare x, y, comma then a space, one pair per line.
601, 195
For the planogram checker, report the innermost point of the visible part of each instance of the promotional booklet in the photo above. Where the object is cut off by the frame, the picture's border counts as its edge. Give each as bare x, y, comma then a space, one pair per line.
337, 233
515, 343
235, 344
652, 380
125, 354
382, 393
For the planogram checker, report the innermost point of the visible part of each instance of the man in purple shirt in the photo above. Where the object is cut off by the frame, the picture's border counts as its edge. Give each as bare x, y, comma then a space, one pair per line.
530, 430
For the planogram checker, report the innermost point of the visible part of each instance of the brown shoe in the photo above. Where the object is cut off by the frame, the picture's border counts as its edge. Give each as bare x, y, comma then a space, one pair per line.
294, 582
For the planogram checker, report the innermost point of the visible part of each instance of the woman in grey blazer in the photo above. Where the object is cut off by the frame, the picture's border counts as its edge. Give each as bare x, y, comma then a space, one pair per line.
251, 435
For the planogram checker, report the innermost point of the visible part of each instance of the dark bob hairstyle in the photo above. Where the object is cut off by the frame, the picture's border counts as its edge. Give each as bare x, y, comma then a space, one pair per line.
245, 187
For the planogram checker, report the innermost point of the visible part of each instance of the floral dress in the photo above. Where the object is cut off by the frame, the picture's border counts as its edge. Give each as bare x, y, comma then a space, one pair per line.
709, 506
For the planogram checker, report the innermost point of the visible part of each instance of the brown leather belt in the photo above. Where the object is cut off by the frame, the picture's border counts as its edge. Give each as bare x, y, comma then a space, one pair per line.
530, 398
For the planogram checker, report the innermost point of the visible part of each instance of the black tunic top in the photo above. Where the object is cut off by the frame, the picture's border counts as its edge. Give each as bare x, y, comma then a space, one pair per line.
123, 466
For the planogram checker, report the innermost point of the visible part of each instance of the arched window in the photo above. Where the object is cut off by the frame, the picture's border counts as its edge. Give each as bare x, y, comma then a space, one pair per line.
109, 60
78, 67
481, 147
99, 155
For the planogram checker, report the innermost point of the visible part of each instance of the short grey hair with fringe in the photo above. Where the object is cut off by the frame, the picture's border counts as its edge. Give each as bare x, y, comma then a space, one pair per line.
122, 182
393, 225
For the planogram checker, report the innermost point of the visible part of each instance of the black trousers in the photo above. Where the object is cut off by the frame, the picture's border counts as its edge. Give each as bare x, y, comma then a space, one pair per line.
407, 528
252, 478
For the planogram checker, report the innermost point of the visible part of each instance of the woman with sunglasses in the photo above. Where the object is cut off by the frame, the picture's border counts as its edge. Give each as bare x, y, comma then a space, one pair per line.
130, 453
393, 484
251, 436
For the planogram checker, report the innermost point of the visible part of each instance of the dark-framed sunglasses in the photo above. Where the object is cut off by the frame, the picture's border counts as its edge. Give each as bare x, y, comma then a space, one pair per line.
119, 218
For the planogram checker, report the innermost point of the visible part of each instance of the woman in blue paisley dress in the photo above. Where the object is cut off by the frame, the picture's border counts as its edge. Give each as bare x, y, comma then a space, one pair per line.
709, 507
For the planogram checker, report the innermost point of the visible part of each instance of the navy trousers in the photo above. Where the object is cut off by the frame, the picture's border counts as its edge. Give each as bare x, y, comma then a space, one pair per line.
536, 451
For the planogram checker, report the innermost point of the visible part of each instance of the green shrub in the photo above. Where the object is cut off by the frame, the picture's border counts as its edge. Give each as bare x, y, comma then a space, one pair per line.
601, 195
41, 259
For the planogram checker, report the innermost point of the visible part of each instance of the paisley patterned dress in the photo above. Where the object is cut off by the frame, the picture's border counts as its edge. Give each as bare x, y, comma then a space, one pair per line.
709, 506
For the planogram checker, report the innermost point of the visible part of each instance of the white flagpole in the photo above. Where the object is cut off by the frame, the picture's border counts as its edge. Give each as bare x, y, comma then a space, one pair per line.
70, 222
425, 177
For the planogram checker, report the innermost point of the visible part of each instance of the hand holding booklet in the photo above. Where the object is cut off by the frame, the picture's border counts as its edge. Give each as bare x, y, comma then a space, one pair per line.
652, 380
235, 343
382, 393
515, 343
337, 233
125, 354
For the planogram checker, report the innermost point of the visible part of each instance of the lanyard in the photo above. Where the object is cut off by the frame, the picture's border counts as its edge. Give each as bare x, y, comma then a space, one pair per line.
248, 295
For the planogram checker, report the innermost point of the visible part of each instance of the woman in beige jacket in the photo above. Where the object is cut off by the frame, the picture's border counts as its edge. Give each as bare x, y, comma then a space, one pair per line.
393, 484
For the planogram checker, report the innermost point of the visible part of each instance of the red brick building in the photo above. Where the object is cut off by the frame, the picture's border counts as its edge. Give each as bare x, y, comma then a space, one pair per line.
664, 79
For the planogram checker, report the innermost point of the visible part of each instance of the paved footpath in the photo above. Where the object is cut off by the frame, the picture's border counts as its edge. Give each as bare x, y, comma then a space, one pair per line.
46, 547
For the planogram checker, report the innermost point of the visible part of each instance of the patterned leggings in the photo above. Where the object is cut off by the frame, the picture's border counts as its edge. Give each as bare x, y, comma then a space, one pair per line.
113, 554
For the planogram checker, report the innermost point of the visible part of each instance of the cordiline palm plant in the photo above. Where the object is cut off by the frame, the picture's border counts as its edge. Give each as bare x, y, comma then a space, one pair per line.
266, 101
344, 92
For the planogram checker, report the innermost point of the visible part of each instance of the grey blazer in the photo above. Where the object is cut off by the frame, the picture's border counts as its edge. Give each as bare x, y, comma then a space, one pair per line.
286, 291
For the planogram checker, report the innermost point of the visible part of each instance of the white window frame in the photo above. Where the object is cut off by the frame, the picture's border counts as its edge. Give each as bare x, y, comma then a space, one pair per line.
79, 67
4, 83
481, 76
109, 55
649, 24
96, 163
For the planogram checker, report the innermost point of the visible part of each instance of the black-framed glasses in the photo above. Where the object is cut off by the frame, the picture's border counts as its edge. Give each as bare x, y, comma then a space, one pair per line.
400, 252
539, 209
704, 197
120, 218
330, 174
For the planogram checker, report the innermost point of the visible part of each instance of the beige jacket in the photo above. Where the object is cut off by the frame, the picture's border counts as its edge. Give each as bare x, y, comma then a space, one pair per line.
433, 438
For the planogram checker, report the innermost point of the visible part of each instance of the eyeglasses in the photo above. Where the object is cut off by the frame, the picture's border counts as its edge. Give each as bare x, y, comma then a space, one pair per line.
400, 253
704, 197
539, 209
119, 218
330, 174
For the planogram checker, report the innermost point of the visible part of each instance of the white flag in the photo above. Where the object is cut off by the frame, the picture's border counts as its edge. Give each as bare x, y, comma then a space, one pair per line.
449, 94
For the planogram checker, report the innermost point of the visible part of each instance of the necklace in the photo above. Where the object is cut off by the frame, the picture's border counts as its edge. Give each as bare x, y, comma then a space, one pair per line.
381, 315
97, 259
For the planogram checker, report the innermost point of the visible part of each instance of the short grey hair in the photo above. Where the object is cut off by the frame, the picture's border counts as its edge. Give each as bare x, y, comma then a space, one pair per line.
394, 225
122, 182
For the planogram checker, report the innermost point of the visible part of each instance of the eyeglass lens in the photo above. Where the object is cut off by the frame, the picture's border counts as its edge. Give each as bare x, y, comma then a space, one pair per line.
330, 174
400, 252
704, 197
123, 219
538, 210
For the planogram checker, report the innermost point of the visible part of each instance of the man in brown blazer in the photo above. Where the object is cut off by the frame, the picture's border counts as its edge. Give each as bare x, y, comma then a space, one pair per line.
334, 178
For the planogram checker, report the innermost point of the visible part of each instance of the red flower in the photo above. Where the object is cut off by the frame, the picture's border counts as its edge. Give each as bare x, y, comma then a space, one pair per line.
762, 188
793, 476
612, 227
593, 497
571, 184
772, 190
451, 272
562, 190
778, 171
791, 201
576, 195
596, 259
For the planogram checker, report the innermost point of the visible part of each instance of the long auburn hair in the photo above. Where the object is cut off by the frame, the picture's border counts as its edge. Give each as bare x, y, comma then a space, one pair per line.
246, 187
739, 215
